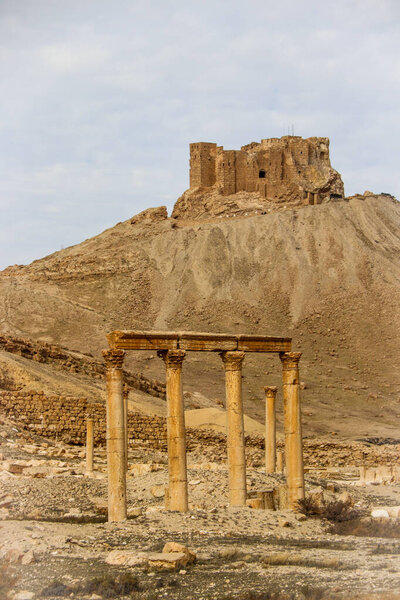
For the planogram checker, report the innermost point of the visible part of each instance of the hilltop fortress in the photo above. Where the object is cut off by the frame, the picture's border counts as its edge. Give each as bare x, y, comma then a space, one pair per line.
276, 170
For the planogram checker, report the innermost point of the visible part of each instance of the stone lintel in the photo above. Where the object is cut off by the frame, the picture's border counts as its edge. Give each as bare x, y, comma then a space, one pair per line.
214, 342
196, 341
143, 340
263, 343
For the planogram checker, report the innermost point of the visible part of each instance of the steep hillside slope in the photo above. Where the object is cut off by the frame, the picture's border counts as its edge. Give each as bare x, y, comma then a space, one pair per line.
328, 275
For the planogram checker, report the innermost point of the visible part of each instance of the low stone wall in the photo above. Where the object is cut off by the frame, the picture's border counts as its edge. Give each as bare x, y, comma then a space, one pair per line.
64, 418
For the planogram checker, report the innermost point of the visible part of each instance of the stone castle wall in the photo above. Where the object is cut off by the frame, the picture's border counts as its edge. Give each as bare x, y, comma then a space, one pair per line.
279, 169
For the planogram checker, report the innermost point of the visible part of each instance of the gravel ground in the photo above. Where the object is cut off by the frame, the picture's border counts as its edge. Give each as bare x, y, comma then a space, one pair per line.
53, 533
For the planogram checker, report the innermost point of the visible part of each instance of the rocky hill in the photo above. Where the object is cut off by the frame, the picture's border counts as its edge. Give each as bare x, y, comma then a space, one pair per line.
328, 275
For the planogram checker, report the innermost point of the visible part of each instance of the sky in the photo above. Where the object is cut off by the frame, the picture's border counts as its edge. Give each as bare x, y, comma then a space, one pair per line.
99, 100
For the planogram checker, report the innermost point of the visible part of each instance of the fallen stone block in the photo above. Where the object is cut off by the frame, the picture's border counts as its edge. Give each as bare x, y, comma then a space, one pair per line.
168, 560
6, 501
177, 547
126, 558
379, 513
143, 468
14, 468
158, 491
24, 595
282, 522
393, 512
28, 558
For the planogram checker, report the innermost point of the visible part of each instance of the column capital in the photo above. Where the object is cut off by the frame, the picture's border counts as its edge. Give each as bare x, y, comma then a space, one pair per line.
113, 358
270, 391
232, 359
290, 360
173, 358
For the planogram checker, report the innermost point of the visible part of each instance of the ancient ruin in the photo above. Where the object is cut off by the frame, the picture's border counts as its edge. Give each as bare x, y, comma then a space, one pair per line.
280, 170
274, 171
215, 467
172, 348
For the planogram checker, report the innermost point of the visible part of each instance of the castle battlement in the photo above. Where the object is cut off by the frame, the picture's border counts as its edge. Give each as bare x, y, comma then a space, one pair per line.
289, 168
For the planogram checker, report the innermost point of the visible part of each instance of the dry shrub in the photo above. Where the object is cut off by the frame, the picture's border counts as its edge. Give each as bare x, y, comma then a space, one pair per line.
109, 586
230, 553
298, 560
314, 593
392, 548
308, 506
57, 589
336, 511
307, 593
368, 527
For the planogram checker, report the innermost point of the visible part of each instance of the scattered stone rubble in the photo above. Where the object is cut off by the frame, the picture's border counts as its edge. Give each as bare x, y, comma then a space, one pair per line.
52, 528
64, 418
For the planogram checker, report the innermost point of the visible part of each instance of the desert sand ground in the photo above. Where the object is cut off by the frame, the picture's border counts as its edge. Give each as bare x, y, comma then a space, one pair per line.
55, 541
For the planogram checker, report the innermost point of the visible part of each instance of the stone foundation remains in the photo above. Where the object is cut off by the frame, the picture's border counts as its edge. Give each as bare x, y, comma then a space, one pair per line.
64, 418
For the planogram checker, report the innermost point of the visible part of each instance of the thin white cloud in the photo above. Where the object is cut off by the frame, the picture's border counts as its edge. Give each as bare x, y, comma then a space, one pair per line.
80, 57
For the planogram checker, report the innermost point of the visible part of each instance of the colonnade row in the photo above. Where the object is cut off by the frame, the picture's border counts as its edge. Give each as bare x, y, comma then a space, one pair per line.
176, 435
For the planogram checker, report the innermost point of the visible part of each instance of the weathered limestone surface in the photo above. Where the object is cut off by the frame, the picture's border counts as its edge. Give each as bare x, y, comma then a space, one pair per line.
279, 461
64, 418
116, 460
89, 445
177, 470
270, 429
196, 341
292, 421
125, 395
150, 215
235, 429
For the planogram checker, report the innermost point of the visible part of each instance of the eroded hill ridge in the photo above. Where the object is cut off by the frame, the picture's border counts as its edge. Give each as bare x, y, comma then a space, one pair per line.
327, 275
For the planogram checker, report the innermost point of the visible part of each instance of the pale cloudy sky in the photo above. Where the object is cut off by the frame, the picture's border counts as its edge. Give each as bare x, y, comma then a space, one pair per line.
99, 100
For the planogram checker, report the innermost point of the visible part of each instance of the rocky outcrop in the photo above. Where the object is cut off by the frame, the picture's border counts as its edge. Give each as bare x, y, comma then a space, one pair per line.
150, 215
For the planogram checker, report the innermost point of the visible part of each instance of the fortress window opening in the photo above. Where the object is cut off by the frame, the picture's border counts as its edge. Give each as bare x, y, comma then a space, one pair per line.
261, 174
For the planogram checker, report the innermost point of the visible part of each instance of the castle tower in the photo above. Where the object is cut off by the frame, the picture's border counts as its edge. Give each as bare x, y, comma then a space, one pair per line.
202, 164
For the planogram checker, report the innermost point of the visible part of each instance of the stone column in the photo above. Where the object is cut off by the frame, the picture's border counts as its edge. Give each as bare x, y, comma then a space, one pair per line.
270, 429
176, 433
115, 436
89, 445
125, 394
279, 461
235, 429
292, 421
